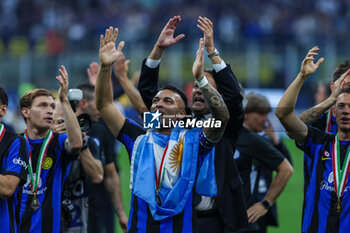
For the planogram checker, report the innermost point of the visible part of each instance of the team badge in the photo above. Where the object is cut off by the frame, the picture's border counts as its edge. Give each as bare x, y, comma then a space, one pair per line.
47, 163
326, 155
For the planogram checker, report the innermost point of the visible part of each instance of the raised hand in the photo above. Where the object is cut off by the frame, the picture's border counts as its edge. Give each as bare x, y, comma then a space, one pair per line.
166, 37
64, 83
339, 84
108, 52
198, 65
206, 26
308, 66
121, 67
92, 72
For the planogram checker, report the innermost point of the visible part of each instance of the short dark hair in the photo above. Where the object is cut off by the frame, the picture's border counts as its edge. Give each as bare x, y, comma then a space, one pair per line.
4, 98
345, 90
257, 103
88, 91
178, 91
341, 69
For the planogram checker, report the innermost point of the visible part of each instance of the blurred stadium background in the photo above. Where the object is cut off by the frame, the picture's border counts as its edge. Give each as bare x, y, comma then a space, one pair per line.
263, 40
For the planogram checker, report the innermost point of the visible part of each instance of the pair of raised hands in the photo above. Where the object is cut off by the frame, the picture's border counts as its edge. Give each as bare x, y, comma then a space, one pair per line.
109, 53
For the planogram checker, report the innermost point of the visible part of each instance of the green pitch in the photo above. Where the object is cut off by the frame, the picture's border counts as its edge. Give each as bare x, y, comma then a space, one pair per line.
289, 204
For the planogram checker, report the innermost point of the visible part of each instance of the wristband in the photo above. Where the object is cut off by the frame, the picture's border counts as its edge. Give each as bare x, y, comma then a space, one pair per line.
214, 53
266, 204
202, 82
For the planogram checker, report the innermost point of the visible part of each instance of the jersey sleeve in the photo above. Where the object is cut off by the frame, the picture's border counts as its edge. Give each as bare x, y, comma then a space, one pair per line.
263, 151
67, 156
128, 134
321, 122
17, 159
314, 139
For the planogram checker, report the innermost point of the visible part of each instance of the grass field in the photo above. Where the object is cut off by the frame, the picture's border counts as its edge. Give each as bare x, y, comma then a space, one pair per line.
289, 203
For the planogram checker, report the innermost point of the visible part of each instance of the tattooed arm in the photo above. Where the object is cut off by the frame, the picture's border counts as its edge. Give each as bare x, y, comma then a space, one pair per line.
213, 99
313, 114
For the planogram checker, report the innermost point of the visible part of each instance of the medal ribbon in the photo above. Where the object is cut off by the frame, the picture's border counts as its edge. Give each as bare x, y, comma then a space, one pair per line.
2, 131
340, 176
329, 120
160, 177
42, 154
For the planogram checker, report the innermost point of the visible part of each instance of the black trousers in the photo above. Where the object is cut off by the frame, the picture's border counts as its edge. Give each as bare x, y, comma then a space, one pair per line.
209, 222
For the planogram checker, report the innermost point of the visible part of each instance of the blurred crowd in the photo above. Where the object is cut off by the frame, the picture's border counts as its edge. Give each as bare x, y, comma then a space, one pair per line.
32, 23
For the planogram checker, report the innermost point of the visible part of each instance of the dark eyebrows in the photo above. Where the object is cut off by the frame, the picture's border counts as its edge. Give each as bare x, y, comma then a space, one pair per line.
169, 98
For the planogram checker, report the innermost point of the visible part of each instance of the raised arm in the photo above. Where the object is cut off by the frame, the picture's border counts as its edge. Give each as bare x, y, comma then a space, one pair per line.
92, 166
103, 91
226, 82
313, 114
166, 38
148, 83
213, 99
121, 68
74, 141
285, 109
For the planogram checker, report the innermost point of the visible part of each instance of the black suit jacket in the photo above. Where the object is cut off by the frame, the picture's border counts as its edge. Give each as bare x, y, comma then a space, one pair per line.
230, 201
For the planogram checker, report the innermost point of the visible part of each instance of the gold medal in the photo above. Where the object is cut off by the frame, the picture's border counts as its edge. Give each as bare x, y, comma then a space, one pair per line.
158, 199
338, 207
35, 202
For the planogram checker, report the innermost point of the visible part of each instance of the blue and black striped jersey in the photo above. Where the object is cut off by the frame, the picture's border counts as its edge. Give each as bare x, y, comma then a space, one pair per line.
13, 161
140, 217
47, 218
319, 215
322, 125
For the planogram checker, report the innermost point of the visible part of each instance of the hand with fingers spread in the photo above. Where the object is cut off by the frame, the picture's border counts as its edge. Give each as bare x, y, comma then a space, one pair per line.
206, 26
166, 37
64, 83
198, 65
308, 66
92, 71
108, 52
339, 84
121, 67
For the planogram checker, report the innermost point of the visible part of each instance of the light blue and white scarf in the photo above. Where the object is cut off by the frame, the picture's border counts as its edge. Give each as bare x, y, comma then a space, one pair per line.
175, 191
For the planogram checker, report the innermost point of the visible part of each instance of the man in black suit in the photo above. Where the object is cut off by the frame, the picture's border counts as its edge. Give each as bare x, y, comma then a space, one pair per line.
227, 211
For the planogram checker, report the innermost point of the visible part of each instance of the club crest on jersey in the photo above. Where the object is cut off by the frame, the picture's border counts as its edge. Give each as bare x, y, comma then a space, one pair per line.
47, 163
326, 155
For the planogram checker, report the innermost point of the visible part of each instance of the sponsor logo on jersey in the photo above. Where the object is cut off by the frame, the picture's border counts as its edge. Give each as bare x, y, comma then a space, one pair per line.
19, 161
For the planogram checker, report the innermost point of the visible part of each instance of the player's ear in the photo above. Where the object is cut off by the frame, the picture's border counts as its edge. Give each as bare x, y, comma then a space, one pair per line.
25, 112
3, 110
